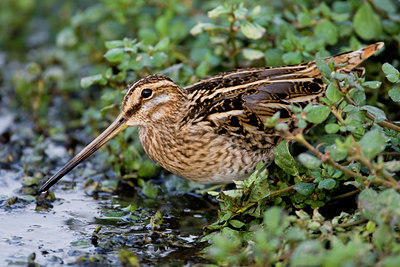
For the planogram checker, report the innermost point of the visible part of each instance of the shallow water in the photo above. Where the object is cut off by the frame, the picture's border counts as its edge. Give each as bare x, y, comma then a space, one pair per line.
63, 233
49, 234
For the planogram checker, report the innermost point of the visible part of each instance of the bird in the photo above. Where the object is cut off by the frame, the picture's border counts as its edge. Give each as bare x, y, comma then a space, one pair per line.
213, 131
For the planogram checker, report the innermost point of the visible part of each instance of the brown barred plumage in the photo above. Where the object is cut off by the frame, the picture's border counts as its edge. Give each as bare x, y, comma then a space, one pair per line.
213, 130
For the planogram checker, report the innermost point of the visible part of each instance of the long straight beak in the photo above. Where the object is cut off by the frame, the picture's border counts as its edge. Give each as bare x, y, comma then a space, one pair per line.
116, 127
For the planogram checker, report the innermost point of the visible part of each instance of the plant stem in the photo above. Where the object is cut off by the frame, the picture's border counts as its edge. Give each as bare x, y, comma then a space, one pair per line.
348, 194
357, 154
272, 195
281, 191
345, 225
335, 112
325, 158
385, 123
391, 154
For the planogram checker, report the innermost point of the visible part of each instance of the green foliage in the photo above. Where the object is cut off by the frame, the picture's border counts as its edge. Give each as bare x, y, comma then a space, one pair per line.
372, 143
366, 23
317, 114
309, 161
350, 155
311, 241
392, 74
284, 159
352, 145
128, 258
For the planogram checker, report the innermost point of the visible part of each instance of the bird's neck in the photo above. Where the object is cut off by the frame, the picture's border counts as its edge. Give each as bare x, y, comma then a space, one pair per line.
160, 139
160, 144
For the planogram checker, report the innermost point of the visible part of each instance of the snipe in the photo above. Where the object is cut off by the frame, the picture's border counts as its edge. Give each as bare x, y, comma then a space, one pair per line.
213, 131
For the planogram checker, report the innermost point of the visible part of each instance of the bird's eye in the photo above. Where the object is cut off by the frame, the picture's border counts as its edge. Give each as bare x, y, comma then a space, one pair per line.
146, 93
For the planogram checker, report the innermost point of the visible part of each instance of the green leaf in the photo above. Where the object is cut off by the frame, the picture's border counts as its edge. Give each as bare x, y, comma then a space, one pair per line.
372, 84
391, 261
108, 73
240, 13
218, 11
281, 126
322, 66
325, 9
90, 80
333, 94
327, 31
373, 143
342, 7
150, 190
392, 166
367, 202
200, 27
274, 57
366, 23
327, 184
292, 58
378, 113
318, 114
236, 223
302, 124
114, 44
389, 69
115, 54
390, 27
159, 59
251, 30
252, 54
67, 38
162, 45
336, 153
392, 78
272, 219
304, 19
358, 96
340, 18
202, 69
233, 193
394, 93
379, 207
256, 11
147, 36
308, 253
387, 6
350, 109
284, 159
271, 122
147, 169
261, 189
382, 236
304, 188
332, 128
392, 74
29, 181
309, 161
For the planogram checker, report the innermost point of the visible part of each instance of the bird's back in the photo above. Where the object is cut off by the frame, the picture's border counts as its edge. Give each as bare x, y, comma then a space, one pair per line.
239, 102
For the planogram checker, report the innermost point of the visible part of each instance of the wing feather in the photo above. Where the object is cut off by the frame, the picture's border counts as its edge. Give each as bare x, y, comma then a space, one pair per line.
238, 103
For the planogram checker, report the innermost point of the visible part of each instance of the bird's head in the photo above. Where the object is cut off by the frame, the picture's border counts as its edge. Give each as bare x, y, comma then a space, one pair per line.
151, 100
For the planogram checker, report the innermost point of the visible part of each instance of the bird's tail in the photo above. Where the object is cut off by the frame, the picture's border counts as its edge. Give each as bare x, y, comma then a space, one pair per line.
350, 60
